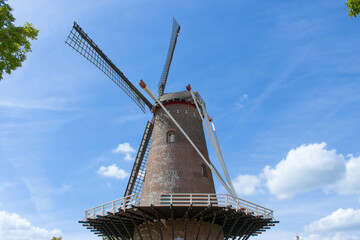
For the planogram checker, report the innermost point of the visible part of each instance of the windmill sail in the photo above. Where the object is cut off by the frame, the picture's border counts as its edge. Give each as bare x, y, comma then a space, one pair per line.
83, 44
164, 75
138, 172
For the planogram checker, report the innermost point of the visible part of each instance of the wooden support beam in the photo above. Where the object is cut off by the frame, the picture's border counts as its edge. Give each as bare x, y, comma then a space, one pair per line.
222, 227
125, 227
211, 226
157, 210
172, 221
187, 212
135, 215
251, 232
186, 223
136, 227
159, 224
240, 228
229, 214
148, 215
117, 229
147, 226
232, 227
106, 232
200, 213
198, 231
110, 231
250, 226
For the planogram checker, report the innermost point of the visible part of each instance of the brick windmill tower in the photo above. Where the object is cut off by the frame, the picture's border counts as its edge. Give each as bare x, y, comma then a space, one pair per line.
171, 193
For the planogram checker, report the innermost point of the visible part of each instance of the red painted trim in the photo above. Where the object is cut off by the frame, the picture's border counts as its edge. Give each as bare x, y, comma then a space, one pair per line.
142, 84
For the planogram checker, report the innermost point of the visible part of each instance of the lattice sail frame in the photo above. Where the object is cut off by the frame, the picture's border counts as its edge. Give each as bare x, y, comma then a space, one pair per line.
164, 75
137, 175
84, 45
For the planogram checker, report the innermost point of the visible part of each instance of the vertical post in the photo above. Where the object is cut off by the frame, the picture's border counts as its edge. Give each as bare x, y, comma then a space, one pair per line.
123, 204
226, 200
102, 210
113, 207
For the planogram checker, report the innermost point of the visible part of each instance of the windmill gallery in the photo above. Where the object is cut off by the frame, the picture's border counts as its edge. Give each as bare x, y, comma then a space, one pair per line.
171, 193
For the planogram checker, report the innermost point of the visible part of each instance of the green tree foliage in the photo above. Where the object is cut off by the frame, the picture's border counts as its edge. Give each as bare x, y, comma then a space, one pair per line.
56, 238
354, 7
14, 40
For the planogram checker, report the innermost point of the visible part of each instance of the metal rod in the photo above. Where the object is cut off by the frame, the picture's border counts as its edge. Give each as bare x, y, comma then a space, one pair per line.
213, 139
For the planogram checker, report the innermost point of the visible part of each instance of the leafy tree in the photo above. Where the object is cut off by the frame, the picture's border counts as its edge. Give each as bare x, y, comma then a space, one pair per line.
14, 40
354, 7
56, 238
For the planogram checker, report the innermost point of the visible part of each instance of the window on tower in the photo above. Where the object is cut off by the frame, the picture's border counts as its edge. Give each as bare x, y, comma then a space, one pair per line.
171, 137
204, 170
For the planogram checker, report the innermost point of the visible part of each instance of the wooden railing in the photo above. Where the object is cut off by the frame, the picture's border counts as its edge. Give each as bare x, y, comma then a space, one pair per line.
180, 199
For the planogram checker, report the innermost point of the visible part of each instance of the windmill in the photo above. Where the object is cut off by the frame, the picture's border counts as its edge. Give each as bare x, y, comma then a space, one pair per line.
170, 193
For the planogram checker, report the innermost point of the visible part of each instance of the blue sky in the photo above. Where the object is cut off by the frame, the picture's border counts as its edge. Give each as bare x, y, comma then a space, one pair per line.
280, 78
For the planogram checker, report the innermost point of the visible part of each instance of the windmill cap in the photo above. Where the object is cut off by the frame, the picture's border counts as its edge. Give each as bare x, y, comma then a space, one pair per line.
178, 96
183, 97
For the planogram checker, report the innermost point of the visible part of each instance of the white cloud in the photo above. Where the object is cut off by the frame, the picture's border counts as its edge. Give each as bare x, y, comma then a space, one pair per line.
241, 100
247, 185
336, 236
340, 220
112, 171
304, 168
126, 149
128, 157
13, 227
351, 183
